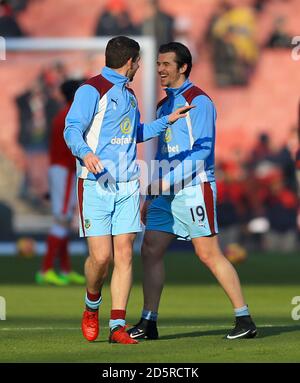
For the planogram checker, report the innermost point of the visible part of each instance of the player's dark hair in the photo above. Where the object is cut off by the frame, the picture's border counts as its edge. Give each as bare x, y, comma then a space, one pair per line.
183, 55
119, 50
69, 87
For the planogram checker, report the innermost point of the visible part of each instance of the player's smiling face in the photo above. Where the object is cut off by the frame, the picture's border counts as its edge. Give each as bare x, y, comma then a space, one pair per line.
167, 68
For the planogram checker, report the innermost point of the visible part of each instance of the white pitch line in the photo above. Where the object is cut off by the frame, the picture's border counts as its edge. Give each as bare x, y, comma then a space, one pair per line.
106, 327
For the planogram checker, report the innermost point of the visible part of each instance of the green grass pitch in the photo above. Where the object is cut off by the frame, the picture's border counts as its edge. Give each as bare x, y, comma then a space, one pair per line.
43, 323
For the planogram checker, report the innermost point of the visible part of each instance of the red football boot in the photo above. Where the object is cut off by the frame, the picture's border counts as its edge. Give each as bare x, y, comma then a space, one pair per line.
120, 335
90, 325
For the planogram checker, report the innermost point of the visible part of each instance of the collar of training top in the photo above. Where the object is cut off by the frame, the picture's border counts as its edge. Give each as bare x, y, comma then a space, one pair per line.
114, 77
176, 91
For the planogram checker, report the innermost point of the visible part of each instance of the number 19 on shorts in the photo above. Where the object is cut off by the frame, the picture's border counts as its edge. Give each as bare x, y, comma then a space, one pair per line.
198, 214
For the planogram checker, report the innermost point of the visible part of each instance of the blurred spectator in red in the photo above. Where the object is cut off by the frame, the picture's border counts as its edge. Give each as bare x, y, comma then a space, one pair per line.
9, 26
54, 75
284, 159
257, 194
298, 155
115, 20
231, 202
261, 151
38, 105
36, 109
281, 211
157, 23
263, 156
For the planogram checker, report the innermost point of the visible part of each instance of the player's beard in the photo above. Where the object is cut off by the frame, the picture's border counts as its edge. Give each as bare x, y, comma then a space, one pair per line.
131, 73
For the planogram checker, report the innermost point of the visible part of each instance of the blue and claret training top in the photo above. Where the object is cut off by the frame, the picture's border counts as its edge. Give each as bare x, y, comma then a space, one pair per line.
104, 119
189, 143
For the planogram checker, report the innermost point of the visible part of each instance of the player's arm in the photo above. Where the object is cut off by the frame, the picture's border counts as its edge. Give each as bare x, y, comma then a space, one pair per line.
155, 128
190, 163
78, 120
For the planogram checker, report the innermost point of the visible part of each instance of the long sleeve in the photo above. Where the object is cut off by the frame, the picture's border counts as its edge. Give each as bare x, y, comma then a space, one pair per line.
79, 119
153, 129
202, 126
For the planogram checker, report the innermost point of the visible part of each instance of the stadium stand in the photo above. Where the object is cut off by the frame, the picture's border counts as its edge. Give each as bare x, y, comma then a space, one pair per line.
273, 82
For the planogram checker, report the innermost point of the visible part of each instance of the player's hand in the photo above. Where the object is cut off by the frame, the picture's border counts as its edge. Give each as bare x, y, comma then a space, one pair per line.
180, 113
93, 163
145, 210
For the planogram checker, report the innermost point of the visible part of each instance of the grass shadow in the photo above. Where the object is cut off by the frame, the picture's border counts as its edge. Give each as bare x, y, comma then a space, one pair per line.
193, 334
265, 332
262, 332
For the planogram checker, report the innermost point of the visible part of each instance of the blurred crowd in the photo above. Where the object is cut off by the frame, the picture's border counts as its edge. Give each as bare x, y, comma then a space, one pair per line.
115, 20
231, 34
257, 197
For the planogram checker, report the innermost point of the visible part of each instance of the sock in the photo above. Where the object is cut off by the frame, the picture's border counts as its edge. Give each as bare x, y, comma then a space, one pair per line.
117, 318
65, 262
53, 246
149, 315
242, 311
92, 301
